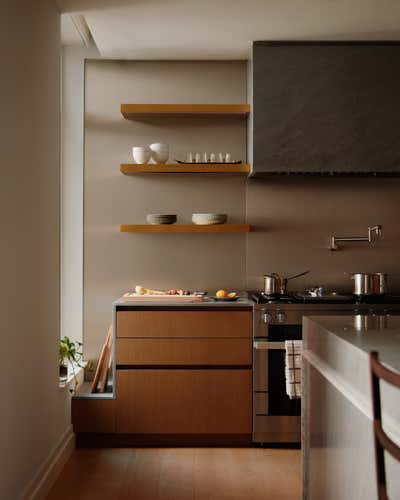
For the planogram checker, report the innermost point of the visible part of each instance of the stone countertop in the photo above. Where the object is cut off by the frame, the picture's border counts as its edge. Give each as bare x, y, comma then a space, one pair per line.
241, 303
367, 333
337, 437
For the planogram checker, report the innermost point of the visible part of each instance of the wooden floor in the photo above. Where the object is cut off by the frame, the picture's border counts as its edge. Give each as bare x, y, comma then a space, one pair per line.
180, 474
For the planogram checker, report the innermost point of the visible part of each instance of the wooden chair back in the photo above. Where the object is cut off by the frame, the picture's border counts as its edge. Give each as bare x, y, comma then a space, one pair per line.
381, 439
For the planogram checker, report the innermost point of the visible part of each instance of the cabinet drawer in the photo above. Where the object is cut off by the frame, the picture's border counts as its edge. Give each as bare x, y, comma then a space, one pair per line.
184, 401
183, 351
178, 324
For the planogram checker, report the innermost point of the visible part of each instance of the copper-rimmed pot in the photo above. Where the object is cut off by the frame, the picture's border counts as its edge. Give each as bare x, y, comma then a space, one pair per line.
369, 283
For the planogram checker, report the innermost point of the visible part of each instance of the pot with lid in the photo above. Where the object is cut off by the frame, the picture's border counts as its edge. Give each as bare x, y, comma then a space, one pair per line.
369, 283
274, 284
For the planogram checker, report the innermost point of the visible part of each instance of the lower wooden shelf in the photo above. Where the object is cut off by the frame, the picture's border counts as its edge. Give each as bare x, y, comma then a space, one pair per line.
188, 168
184, 228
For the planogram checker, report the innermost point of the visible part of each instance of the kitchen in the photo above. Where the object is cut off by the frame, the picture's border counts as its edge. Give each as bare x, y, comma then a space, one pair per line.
321, 223
235, 251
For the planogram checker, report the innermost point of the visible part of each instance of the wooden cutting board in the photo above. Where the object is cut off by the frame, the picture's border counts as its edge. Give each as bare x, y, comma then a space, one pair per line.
161, 298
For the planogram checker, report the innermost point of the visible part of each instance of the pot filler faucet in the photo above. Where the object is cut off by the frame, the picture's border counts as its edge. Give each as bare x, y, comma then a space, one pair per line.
374, 232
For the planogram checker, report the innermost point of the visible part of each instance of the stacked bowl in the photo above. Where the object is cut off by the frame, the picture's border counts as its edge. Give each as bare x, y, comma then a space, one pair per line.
209, 219
161, 218
159, 152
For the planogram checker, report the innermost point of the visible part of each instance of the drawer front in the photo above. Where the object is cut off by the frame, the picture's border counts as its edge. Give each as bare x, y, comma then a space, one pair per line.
184, 401
184, 351
93, 415
178, 324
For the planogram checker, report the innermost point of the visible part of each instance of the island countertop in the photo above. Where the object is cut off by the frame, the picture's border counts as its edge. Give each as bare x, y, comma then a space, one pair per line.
337, 429
367, 333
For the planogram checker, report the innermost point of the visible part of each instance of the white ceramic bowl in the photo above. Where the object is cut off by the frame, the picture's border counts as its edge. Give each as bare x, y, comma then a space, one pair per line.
159, 152
141, 154
208, 219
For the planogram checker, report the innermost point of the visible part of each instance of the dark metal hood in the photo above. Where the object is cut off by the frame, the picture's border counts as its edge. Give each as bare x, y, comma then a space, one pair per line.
326, 108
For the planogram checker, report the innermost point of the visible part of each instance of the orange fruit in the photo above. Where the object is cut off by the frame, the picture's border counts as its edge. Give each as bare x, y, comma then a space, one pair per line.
232, 295
221, 294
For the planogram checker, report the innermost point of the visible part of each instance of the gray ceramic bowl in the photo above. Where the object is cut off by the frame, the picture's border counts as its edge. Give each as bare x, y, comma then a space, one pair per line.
161, 218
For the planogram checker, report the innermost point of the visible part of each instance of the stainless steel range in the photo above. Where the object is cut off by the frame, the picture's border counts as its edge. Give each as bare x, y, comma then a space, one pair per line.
276, 418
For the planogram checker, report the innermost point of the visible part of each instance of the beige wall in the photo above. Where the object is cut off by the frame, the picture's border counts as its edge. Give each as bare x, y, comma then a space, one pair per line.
34, 412
115, 262
294, 217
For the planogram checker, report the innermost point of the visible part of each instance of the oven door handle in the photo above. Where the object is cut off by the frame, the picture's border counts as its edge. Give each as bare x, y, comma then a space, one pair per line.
265, 345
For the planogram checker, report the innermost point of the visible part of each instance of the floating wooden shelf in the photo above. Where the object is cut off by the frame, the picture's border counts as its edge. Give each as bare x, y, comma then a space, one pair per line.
135, 111
178, 168
184, 228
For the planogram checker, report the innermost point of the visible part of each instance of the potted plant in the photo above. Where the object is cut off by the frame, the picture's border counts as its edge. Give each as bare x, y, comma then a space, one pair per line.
69, 353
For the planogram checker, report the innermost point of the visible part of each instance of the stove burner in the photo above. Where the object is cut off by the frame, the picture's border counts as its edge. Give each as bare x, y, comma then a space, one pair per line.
304, 298
263, 298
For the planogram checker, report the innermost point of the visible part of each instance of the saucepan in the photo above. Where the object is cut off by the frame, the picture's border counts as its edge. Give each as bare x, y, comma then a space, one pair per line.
369, 283
274, 284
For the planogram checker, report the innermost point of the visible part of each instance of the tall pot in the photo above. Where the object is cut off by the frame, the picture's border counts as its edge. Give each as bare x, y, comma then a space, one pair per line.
369, 283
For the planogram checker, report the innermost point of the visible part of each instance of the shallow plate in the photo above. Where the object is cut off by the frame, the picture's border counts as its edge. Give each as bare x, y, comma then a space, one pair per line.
225, 299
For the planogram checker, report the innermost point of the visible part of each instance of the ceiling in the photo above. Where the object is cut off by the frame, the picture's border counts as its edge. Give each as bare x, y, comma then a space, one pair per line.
224, 29
69, 33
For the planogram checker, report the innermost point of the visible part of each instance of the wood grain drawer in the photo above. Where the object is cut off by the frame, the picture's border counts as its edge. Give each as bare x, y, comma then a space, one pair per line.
93, 415
178, 324
184, 351
184, 401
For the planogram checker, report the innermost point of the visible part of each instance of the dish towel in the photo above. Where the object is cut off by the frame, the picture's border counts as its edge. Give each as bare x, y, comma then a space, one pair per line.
293, 368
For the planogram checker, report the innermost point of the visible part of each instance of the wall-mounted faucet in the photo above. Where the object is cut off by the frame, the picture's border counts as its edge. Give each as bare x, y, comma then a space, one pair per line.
374, 230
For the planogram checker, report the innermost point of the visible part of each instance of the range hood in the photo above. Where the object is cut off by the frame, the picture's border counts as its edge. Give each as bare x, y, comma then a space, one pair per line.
326, 108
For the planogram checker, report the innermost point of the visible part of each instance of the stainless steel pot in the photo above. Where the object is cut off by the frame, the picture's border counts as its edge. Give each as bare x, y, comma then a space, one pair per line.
274, 284
369, 283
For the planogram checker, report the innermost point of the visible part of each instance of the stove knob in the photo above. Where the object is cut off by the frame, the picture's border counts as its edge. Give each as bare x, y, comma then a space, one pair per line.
281, 317
267, 318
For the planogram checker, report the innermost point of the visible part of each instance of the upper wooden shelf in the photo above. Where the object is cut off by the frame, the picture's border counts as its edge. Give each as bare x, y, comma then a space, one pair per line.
184, 228
135, 111
190, 168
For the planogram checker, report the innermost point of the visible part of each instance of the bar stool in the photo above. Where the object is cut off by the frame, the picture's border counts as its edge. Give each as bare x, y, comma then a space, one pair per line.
381, 439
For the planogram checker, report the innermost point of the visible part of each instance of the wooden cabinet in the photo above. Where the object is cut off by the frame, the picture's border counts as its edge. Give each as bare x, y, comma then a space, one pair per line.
187, 324
187, 401
182, 377
184, 372
93, 415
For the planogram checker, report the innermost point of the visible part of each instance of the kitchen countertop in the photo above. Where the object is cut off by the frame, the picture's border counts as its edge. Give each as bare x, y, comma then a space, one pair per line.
367, 333
242, 303
337, 438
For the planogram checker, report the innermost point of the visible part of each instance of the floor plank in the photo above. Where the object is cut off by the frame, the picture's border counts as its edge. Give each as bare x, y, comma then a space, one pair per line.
180, 474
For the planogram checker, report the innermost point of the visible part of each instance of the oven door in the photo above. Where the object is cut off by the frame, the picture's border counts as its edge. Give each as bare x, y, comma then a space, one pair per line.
269, 382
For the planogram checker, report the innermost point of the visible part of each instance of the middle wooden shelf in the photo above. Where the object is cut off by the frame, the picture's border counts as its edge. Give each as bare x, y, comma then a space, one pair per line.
185, 168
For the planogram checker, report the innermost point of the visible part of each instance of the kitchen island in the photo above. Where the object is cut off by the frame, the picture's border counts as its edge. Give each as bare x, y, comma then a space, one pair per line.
182, 374
337, 434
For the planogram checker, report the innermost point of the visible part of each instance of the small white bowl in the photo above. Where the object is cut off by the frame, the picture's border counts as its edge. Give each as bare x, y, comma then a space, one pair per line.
141, 154
209, 219
159, 152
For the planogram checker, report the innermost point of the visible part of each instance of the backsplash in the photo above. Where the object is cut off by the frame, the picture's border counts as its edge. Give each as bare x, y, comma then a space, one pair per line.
295, 216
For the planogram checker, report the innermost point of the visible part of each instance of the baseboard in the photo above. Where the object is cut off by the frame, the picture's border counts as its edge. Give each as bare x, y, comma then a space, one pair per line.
40, 485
